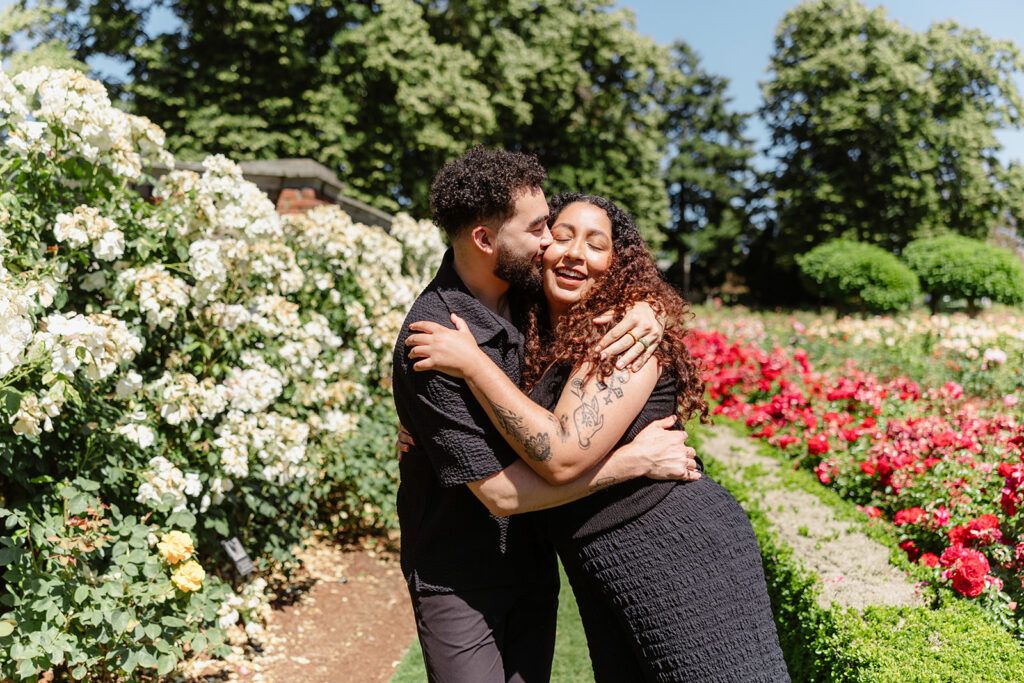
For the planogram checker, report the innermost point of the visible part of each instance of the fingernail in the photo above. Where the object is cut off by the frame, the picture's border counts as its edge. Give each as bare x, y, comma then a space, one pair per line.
603, 355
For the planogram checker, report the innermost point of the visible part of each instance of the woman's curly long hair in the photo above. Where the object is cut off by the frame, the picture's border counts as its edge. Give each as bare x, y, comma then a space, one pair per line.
631, 278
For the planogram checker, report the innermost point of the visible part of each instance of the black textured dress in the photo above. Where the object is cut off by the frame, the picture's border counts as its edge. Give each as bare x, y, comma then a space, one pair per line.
667, 575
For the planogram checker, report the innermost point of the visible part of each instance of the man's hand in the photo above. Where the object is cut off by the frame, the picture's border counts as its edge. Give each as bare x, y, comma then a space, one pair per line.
635, 337
660, 452
404, 441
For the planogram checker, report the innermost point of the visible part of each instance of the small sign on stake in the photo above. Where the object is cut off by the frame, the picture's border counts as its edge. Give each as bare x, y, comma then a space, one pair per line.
233, 547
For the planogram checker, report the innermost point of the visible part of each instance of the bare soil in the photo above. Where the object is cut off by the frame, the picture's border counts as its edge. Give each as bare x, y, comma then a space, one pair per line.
854, 568
346, 618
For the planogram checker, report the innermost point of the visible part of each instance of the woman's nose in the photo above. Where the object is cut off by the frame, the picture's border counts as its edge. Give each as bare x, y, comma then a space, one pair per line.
575, 249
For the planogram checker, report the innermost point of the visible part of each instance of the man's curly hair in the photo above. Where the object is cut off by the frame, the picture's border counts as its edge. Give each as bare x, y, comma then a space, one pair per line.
481, 185
631, 278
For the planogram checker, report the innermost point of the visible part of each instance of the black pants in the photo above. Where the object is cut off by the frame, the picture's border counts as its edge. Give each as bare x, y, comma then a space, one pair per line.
497, 635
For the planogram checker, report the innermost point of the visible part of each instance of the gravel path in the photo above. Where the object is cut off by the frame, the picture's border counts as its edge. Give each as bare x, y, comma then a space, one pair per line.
854, 568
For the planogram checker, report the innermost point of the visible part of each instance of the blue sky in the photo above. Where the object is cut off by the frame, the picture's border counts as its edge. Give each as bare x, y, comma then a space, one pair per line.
734, 37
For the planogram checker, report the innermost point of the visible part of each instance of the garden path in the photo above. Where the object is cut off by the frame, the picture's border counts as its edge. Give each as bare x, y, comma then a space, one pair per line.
854, 568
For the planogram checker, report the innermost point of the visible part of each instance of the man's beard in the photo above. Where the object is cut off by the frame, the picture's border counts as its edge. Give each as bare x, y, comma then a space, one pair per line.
519, 271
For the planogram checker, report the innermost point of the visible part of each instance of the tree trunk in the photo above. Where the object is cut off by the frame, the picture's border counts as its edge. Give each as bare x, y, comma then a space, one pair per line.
972, 307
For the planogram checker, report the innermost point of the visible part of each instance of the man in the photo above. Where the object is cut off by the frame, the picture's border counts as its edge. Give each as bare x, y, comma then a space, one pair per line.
484, 585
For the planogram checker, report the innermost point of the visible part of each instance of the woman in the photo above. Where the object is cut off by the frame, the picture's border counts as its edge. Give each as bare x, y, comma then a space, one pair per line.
667, 574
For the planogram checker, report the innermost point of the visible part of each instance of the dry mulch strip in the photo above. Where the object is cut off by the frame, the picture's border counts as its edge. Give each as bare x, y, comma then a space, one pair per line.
346, 617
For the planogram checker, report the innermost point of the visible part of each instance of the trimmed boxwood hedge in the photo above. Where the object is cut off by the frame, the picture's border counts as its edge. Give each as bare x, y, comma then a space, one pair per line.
953, 642
858, 275
964, 268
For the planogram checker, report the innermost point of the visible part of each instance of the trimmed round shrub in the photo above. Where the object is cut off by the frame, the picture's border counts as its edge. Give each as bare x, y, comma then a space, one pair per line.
856, 274
964, 268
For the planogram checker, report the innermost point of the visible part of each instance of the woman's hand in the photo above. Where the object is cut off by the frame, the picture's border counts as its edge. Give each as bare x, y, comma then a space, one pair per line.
453, 352
635, 338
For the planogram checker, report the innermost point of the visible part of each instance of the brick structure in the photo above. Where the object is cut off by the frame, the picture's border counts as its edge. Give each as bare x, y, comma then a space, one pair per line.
295, 200
294, 185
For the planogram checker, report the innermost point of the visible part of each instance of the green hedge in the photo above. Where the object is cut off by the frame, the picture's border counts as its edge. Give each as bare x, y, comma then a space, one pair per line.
859, 275
954, 642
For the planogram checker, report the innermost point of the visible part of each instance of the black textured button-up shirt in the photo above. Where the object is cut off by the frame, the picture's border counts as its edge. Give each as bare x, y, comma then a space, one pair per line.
450, 541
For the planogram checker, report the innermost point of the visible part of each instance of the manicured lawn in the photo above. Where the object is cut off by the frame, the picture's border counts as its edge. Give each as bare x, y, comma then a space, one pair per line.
572, 663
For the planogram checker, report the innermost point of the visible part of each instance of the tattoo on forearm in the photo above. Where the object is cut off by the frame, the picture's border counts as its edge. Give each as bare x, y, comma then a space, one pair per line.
537, 446
603, 483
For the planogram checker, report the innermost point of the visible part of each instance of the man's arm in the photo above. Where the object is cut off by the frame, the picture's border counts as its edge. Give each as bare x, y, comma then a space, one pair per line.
657, 452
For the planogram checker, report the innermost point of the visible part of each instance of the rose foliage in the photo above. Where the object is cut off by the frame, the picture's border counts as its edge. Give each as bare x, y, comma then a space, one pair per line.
174, 372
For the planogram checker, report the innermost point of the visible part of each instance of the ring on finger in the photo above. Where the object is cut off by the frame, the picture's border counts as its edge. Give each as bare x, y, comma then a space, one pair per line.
643, 341
635, 339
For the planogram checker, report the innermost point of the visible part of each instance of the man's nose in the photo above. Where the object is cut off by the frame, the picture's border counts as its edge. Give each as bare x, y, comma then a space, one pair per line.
545, 238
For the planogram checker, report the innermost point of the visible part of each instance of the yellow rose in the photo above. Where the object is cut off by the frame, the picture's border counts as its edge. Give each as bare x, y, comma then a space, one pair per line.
176, 546
188, 577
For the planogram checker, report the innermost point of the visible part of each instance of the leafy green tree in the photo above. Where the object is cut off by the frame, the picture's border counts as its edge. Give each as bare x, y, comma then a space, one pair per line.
885, 134
573, 83
965, 268
709, 178
26, 38
859, 275
385, 92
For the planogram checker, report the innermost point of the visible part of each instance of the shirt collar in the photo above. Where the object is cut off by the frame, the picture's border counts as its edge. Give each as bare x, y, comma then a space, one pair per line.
484, 323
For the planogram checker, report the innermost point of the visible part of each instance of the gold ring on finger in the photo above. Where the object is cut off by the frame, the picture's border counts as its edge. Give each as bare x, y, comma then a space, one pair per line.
635, 340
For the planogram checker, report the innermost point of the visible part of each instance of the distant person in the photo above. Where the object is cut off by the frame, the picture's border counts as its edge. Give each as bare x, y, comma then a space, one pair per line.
484, 586
667, 574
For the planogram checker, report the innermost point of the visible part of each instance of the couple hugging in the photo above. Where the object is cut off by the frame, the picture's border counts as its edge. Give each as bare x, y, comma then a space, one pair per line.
531, 432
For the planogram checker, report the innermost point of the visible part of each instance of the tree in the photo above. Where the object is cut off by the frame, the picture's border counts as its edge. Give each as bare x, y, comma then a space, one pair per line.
384, 92
883, 134
709, 178
25, 41
964, 268
574, 83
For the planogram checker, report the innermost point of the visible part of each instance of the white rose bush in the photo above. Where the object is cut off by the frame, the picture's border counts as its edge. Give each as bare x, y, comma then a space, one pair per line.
191, 366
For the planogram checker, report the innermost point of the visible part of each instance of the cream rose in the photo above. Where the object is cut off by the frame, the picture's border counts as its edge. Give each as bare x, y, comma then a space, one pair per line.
188, 577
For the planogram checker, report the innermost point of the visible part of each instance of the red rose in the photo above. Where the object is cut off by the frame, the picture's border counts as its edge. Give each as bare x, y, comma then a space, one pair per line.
908, 516
969, 573
867, 468
929, 560
817, 445
959, 535
910, 548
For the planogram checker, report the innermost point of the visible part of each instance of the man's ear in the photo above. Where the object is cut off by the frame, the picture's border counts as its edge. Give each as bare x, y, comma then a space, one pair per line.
483, 238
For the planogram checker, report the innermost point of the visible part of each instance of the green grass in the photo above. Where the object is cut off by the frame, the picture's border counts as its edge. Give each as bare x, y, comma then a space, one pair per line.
572, 662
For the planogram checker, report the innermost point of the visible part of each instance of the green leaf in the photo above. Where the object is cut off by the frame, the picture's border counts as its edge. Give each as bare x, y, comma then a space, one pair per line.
119, 620
7, 627
9, 555
78, 503
11, 399
166, 664
27, 668
182, 518
81, 593
199, 642
153, 631
173, 622
146, 658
